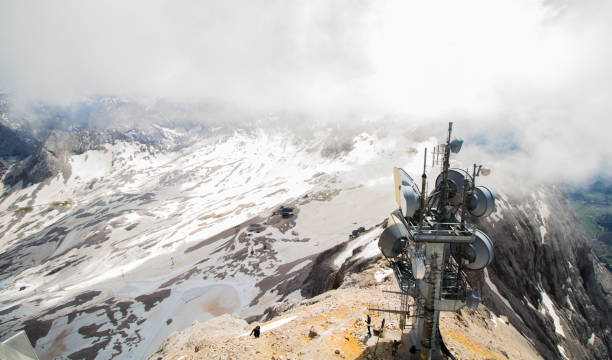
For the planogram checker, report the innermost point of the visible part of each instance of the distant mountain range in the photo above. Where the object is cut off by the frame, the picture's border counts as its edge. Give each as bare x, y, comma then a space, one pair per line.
112, 239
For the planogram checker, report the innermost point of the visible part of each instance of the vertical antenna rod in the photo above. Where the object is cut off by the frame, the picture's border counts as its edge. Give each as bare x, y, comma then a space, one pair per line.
475, 173
444, 195
433, 157
423, 185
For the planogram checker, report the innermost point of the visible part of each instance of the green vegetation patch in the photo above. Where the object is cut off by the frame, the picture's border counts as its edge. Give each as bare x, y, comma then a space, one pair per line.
588, 213
593, 206
25, 209
61, 203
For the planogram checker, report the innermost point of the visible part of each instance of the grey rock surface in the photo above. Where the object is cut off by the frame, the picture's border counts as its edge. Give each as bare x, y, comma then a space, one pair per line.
541, 248
51, 157
15, 145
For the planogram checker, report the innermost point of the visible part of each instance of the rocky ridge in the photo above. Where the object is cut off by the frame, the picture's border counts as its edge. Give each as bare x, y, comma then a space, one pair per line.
332, 326
52, 156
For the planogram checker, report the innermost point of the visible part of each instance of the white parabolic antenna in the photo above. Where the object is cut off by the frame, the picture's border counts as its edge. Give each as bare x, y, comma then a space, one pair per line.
390, 241
481, 202
407, 194
482, 251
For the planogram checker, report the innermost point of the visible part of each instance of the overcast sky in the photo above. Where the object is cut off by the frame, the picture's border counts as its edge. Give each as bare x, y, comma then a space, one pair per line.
539, 70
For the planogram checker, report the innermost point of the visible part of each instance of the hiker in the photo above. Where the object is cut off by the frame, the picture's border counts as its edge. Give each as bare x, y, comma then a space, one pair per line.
255, 331
394, 348
382, 325
368, 322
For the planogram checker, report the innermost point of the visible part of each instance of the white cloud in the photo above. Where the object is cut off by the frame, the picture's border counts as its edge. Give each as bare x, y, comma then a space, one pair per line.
540, 70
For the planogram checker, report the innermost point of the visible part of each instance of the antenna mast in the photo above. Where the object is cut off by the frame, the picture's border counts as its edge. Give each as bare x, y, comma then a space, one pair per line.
423, 189
443, 207
428, 247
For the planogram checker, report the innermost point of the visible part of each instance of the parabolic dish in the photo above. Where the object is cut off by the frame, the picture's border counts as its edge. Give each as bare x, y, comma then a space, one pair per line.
407, 194
455, 184
392, 240
482, 251
482, 202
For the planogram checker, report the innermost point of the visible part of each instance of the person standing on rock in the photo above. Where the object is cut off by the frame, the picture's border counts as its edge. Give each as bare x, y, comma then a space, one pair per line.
394, 348
255, 331
369, 322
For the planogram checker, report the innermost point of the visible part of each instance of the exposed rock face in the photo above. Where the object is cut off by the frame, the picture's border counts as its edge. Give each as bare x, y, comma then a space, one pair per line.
15, 145
3, 168
322, 275
51, 157
554, 291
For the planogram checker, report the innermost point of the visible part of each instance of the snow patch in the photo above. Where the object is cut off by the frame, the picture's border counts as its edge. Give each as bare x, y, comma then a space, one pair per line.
92, 164
542, 233
548, 308
385, 180
381, 275
273, 325
370, 250
592, 339
299, 266
360, 241
544, 215
562, 351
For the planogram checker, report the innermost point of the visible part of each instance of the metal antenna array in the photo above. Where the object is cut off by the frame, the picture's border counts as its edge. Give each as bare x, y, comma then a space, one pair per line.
430, 243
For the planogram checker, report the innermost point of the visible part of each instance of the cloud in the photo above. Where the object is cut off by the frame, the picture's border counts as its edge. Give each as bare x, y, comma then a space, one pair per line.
253, 53
540, 71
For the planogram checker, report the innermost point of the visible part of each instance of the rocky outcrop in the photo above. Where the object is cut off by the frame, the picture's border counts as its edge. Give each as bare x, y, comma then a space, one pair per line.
545, 278
323, 275
15, 145
4, 166
332, 326
51, 157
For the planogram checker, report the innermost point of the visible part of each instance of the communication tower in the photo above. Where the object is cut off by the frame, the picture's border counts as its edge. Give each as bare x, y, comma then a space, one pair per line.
430, 243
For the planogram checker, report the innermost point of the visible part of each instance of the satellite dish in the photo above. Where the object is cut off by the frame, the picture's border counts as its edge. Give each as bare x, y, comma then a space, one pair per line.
392, 240
482, 202
455, 145
455, 184
407, 194
480, 252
